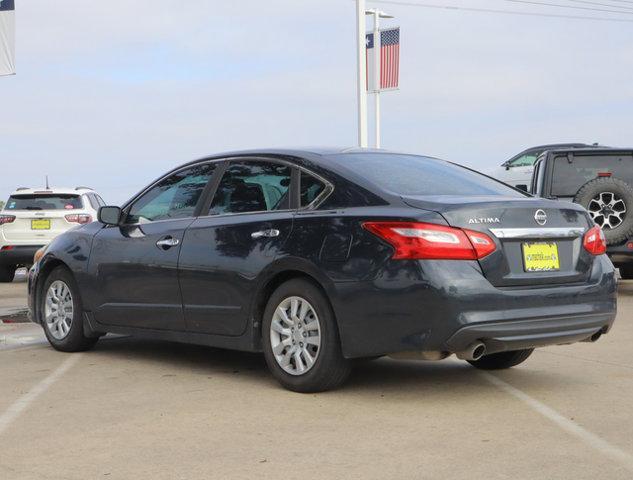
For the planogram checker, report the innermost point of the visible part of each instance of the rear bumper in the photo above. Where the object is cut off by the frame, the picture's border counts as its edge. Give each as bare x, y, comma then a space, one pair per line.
19, 255
444, 306
518, 335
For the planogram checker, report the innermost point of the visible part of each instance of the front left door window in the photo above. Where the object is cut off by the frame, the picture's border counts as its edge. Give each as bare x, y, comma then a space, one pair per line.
174, 197
136, 265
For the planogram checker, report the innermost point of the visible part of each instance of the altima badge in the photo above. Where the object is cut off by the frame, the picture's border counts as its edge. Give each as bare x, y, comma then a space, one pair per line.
484, 220
541, 217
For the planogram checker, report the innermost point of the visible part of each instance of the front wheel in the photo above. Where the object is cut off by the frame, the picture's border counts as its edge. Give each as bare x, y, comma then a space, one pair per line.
502, 360
300, 339
62, 313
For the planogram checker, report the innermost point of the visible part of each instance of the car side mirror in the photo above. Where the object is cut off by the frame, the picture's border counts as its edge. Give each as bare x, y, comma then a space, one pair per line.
110, 215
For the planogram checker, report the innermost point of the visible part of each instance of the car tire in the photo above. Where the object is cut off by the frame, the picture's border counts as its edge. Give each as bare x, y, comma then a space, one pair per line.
595, 193
62, 313
502, 360
7, 273
626, 272
289, 339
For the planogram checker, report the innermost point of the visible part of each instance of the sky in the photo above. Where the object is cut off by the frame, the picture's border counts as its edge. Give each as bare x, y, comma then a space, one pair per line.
112, 94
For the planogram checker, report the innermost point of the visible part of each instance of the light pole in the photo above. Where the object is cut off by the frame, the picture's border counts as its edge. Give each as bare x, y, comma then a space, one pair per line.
362, 70
378, 14
362, 73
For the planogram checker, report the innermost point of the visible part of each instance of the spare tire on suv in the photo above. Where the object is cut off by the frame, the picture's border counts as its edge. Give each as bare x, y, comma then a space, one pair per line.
610, 204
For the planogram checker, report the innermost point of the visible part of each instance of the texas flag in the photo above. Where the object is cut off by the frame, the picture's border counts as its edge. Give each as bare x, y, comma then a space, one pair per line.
389, 57
7, 37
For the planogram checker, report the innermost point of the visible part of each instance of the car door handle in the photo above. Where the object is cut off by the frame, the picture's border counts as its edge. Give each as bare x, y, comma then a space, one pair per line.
271, 233
167, 243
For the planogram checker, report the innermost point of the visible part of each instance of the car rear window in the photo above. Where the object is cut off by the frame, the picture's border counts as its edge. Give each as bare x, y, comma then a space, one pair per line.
43, 202
416, 175
570, 174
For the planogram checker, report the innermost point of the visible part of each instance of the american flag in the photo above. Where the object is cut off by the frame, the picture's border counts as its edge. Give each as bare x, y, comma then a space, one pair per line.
389, 59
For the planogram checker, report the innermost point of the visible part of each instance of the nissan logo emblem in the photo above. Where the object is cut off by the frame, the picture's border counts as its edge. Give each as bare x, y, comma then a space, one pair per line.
541, 217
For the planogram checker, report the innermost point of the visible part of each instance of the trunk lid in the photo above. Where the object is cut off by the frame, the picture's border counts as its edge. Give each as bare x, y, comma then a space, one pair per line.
519, 231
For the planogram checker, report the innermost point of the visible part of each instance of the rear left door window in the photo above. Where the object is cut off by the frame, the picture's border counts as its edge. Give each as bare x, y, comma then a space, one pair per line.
253, 186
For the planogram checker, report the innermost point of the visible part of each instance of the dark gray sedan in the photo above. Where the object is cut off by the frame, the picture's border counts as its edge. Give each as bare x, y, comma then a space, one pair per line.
323, 256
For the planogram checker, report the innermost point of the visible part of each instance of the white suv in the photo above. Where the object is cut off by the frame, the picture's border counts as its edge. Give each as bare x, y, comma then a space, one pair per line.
31, 218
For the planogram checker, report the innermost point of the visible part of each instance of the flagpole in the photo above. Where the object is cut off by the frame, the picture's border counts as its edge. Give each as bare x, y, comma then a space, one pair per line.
362, 73
377, 65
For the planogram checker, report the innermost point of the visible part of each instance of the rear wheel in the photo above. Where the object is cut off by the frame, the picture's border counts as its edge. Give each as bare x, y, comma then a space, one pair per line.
7, 273
300, 339
626, 272
502, 360
62, 313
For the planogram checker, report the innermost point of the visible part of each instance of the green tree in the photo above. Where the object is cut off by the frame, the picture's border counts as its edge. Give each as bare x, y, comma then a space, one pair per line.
1, 204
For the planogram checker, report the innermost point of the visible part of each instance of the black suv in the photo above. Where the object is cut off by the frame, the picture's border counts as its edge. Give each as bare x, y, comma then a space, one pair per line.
601, 180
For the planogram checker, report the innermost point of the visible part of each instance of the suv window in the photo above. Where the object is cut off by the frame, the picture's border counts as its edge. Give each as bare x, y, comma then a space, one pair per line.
568, 177
526, 160
537, 176
253, 186
310, 188
44, 202
93, 201
173, 197
415, 175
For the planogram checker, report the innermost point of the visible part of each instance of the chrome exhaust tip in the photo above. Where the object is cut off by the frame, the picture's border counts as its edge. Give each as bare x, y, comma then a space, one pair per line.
473, 352
594, 338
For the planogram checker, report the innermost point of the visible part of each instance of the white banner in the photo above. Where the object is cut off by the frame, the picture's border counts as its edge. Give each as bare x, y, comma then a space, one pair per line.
7, 37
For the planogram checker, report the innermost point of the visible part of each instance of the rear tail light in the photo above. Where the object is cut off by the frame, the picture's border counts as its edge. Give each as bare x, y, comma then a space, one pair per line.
6, 219
594, 241
416, 241
78, 218
7, 247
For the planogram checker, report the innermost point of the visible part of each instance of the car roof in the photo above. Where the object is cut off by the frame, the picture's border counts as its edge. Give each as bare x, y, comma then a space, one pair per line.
560, 145
52, 191
593, 150
320, 156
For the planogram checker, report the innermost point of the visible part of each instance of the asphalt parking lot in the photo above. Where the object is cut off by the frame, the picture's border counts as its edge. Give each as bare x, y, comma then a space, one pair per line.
142, 409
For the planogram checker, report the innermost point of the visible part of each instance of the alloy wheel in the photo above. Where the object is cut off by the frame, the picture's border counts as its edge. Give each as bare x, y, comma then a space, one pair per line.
607, 210
295, 335
58, 309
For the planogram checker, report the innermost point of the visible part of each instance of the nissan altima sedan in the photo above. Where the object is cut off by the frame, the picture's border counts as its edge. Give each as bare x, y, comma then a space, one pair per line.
320, 257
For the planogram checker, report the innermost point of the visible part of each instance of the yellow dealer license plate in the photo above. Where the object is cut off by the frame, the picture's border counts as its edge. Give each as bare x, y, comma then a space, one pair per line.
540, 257
40, 224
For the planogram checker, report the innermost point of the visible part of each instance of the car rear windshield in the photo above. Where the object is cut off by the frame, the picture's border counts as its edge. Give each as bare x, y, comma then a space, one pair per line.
571, 173
43, 202
415, 175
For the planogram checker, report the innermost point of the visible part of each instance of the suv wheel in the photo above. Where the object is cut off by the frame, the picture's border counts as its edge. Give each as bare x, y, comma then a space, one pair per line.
62, 313
7, 273
610, 204
300, 339
502, 360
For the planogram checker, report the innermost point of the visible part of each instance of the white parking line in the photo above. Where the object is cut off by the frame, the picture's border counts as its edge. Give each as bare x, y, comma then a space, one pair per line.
591, 439
22, 403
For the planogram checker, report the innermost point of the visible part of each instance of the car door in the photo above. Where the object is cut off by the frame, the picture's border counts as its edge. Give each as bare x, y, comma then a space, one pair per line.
134, 265
224, 251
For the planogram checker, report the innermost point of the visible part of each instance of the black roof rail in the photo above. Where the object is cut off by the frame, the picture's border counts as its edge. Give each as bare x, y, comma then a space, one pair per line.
83, 188
21, 188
